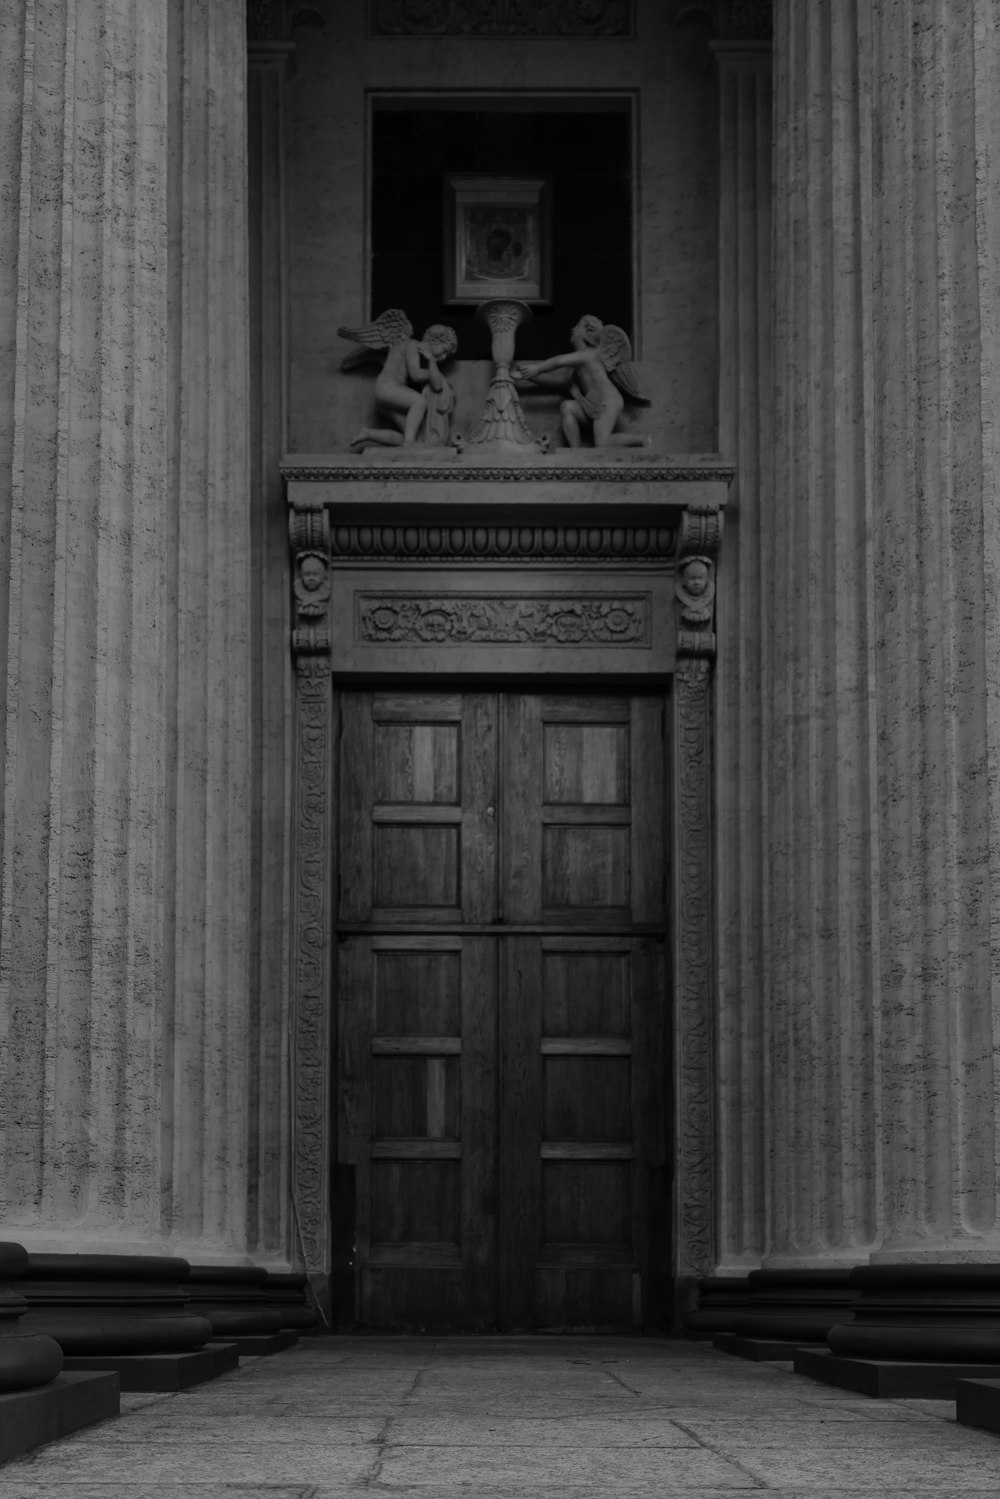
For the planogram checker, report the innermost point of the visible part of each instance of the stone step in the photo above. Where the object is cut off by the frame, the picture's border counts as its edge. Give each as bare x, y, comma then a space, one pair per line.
146, 1372
30, 1418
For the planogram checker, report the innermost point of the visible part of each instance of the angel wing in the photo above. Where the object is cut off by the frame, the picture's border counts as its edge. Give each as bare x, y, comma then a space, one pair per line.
615, 353
387, 330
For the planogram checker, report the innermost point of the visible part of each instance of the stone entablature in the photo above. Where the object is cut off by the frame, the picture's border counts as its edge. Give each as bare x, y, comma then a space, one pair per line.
655, 522
591, 566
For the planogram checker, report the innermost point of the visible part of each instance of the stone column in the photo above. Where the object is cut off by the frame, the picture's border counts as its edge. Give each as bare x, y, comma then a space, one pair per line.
936, 533
743, 68
83, 435
821, 855
125, 835
270, 61
207, 1023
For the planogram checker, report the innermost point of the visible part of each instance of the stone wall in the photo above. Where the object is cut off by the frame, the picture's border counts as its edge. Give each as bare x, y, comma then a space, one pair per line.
659, 73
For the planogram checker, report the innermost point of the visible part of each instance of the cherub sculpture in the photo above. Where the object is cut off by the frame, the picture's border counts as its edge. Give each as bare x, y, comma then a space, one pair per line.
600, 382
410, 388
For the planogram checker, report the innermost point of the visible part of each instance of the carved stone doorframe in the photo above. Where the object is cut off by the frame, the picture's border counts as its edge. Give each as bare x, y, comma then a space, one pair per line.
671, 533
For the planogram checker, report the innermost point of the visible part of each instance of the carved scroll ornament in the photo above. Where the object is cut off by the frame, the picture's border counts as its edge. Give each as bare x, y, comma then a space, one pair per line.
401, 619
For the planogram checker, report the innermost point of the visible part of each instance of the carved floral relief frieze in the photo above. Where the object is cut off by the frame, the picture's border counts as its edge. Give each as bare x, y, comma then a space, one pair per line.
527, 619
500, 18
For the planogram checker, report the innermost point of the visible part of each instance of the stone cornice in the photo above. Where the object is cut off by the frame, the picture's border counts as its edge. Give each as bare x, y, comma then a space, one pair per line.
467, 471
732, 20
275, 20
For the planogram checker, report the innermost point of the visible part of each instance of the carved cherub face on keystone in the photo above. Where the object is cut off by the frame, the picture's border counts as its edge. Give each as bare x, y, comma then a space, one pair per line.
312, 573
696, 577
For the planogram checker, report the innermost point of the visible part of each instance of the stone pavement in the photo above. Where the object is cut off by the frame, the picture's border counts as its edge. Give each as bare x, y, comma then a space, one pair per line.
492, 1417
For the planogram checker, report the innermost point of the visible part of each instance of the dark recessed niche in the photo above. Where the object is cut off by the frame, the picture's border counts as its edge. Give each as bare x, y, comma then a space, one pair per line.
587, 155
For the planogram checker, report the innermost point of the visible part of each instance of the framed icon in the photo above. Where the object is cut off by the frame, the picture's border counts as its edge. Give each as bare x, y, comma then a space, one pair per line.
497, 239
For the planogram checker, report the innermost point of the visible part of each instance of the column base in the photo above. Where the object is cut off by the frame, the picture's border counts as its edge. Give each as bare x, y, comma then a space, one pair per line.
287, 1294
147, 1372
977, 1403
30, 1418
760, 1350
109, 1304
27, 1360
253, 1345
931, 1313
889, 1379
720, 1299
234, 1301
796, 1306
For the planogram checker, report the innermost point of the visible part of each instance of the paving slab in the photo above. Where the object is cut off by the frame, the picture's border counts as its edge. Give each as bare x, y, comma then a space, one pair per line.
508, 1419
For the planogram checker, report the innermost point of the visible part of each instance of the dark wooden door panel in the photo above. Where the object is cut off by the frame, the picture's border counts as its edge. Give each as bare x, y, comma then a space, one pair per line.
583, 810
583, 1137
418, 794
418, 1123
501, 1095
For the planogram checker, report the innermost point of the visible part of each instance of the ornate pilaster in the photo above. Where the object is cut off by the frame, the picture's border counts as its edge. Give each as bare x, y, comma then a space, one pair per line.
743, 72
820, 857
695, 1185
936, 544
312, 893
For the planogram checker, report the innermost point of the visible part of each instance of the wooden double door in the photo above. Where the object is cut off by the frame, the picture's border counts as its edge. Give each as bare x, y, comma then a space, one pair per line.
502, 1008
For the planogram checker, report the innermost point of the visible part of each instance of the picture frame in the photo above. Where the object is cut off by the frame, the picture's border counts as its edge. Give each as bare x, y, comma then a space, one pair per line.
497, 236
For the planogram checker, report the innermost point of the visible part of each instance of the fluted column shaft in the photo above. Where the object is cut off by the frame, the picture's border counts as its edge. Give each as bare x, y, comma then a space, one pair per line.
821, 863
744, 82
83, 434
273, 713
205, 1197
123, 419
936, 330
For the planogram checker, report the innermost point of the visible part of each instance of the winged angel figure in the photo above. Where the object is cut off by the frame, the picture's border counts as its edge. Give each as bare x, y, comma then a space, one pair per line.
410, 388
601, 381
